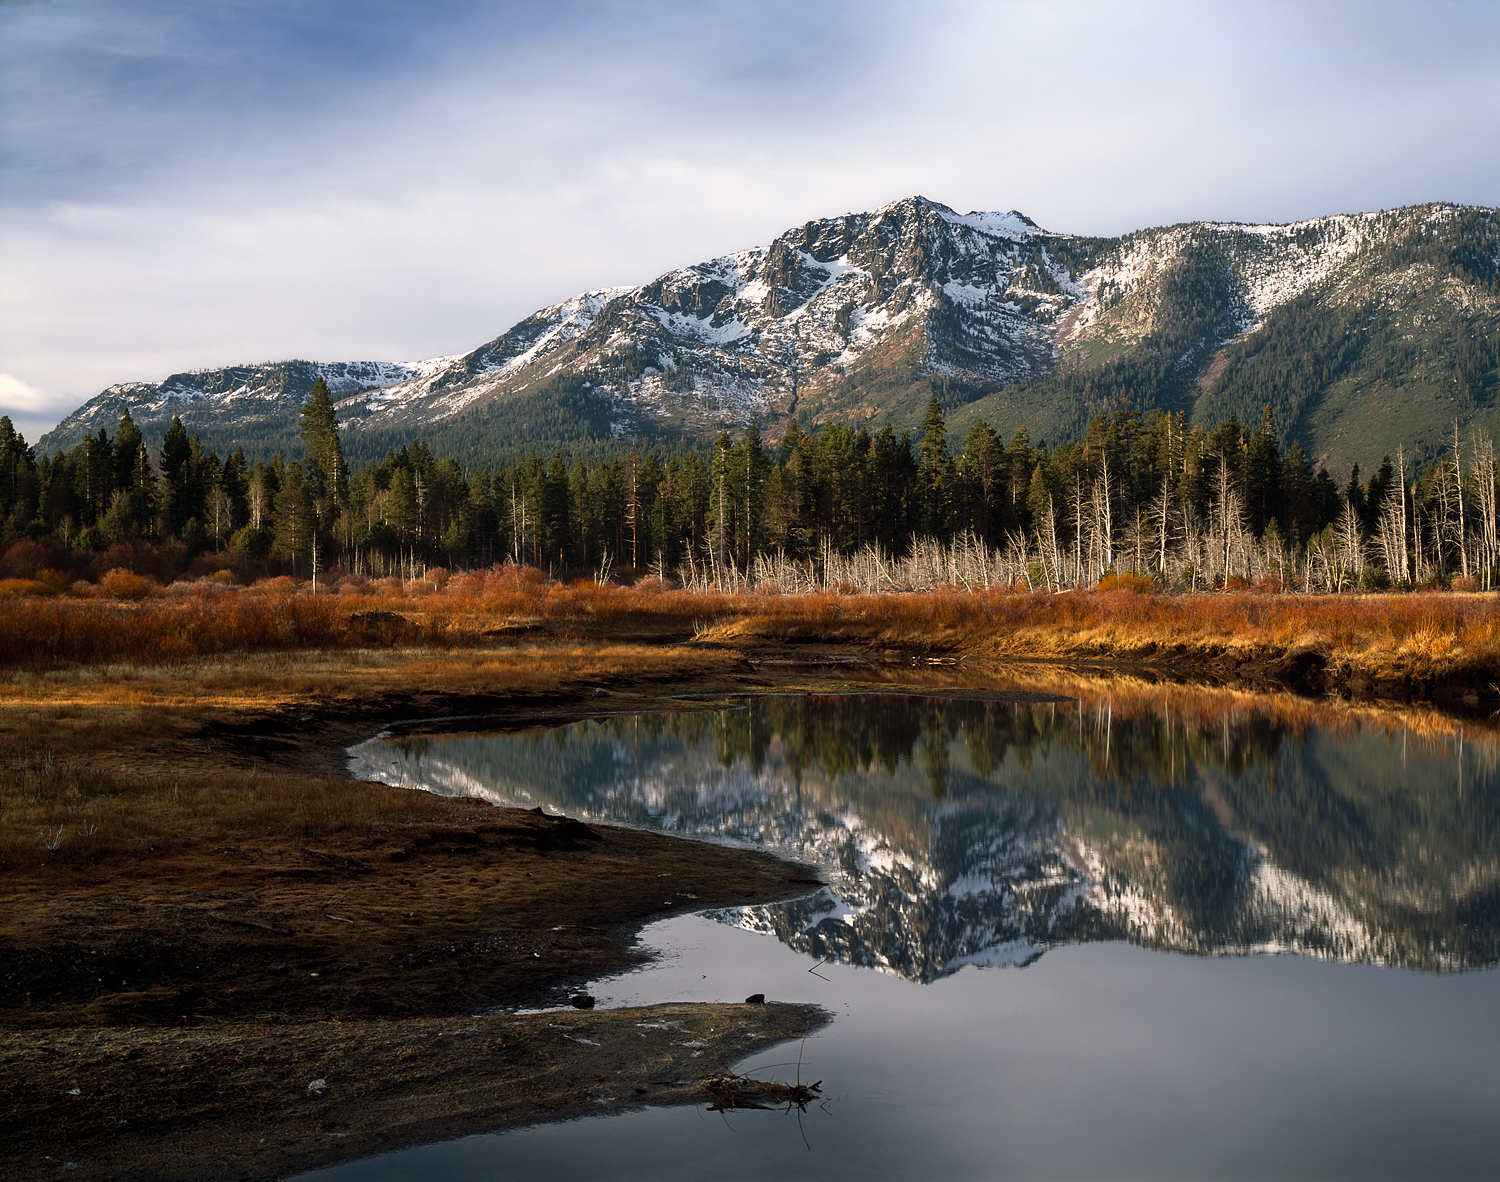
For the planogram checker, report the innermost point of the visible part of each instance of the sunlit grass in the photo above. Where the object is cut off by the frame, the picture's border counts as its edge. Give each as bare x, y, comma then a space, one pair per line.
1420, 632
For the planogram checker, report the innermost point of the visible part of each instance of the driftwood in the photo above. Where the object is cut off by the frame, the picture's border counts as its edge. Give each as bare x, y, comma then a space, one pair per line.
728, 1090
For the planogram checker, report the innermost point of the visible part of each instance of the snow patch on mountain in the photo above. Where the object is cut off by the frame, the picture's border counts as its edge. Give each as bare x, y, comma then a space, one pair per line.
912, 288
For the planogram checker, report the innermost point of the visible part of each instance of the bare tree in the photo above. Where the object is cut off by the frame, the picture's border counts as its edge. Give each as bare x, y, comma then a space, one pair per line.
219, 509
1390, 534
1348, 547
259, 496
1458, 486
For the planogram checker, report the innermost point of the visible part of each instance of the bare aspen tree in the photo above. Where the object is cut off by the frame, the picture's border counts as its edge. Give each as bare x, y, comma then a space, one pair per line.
1458, 484
1442, 517
1349, 541
1225, 492
1401, 523
220, 512
1390, 534
1077, 531
1106, 518
1484, 493
1163, 516
259, 497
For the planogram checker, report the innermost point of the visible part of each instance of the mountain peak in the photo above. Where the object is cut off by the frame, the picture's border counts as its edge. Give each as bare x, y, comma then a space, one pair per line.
865, 316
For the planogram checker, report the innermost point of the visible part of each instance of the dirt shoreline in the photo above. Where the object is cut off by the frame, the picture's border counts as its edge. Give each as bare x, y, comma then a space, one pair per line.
259, 1101
132, 970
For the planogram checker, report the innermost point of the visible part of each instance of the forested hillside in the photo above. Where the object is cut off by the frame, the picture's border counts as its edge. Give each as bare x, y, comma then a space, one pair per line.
1148, 495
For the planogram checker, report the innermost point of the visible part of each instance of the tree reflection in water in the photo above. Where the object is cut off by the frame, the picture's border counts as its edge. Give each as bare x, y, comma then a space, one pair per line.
959, 831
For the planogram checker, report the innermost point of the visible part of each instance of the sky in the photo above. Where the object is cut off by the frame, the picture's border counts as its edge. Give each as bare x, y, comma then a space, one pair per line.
186, 185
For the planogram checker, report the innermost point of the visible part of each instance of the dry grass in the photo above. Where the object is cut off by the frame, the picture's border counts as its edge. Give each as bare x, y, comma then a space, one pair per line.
1384, 634
111, 759
1200, 708
66, 810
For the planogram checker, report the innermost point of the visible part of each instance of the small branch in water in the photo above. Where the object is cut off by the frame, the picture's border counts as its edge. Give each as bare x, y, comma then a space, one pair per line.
728, 1090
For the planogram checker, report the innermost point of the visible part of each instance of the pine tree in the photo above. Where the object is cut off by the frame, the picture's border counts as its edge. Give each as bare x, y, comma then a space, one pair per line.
1262, 474
20, 486
934, 472
127, 445
295, 520
319, 429
402, 510
176, 478
483, 519
979, 469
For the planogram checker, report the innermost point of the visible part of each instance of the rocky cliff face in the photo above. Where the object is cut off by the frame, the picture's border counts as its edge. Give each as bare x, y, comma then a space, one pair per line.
862, 317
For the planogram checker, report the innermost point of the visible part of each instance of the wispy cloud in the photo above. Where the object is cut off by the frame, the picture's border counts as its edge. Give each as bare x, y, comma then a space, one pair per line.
195, 184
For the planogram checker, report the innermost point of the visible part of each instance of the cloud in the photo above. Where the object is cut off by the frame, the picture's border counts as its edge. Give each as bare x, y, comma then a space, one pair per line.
32, 412
17, 396
194, 185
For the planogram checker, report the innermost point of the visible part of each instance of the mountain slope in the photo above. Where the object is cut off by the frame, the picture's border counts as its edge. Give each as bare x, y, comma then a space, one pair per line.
1361, 331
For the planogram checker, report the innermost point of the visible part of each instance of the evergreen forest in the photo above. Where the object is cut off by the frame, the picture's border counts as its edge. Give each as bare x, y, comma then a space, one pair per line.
1144, 496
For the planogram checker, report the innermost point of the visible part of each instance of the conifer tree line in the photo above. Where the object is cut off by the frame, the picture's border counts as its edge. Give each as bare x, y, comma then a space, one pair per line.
1144, 495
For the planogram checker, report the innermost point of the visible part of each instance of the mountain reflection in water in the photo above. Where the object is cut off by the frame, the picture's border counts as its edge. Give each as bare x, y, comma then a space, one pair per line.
957, 832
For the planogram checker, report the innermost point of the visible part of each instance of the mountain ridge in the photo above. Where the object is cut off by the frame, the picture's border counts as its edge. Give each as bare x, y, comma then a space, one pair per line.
1362, 331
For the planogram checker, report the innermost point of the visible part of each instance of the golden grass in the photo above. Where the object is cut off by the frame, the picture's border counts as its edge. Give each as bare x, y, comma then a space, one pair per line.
1428, 632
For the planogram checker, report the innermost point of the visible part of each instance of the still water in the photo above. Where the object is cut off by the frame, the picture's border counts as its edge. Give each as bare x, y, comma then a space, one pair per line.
1050, 936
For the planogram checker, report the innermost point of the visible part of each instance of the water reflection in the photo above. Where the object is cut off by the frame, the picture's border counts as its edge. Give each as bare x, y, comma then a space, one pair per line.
959, 832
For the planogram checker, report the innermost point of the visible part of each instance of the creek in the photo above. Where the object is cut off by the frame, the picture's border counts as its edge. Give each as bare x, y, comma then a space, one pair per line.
1155, 933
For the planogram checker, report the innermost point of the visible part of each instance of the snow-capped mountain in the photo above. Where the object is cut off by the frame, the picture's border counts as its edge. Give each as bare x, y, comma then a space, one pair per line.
862, 317
740, 337
934, 862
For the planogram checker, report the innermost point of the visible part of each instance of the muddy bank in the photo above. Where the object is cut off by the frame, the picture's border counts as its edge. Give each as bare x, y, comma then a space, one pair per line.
216, 883
259, 1101
508, 908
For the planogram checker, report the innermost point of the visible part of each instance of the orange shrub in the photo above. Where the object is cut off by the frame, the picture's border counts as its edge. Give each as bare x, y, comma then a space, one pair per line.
54, 580
25, 587
1128, 582
123, 584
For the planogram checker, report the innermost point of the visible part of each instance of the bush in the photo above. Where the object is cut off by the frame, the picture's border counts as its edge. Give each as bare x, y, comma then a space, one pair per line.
24, 587
25, 559
1128, 582
123, 584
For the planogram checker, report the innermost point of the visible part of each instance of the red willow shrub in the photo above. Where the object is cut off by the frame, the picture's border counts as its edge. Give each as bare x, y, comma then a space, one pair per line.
41, 633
